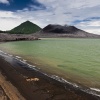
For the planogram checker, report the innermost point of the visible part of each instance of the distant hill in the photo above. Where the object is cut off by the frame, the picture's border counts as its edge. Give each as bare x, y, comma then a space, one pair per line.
64, 31
25, 28
1, 31
60, 29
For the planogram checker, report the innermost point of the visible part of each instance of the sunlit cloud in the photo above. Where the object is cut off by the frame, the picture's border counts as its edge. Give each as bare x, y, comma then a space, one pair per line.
4, 1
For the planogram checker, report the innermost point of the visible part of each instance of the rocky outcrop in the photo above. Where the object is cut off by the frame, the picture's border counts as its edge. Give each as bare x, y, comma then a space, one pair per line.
15, 37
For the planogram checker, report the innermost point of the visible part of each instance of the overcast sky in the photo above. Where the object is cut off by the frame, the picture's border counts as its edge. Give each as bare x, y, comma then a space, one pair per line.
84, 14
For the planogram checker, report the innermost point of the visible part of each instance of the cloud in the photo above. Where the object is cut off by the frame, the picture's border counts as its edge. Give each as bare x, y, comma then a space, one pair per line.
4, 1
9, 20
6, 14
83, 14
71, 3
90, 25
8, 23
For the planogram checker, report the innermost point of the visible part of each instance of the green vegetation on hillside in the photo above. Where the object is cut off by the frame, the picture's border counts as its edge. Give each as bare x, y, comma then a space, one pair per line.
25, 28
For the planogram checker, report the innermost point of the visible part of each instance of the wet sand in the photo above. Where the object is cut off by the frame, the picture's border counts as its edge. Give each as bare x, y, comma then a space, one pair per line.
36, 86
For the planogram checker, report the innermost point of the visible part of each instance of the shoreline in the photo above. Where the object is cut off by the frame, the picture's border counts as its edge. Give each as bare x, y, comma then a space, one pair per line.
45, 87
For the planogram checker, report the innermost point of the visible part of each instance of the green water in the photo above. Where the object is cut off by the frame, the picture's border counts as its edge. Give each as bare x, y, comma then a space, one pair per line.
77, 60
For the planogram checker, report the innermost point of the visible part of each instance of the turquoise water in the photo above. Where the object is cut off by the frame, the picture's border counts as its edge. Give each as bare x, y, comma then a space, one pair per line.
77, 60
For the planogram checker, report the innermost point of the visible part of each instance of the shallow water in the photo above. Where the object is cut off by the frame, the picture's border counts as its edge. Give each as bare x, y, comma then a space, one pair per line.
77, 60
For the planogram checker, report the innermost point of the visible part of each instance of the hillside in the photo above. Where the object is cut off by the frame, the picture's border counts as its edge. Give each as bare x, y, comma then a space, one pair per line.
64, 31
1, 31
25, 28
59, 29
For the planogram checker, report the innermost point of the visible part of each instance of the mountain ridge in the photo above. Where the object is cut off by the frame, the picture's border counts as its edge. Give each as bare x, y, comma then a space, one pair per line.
56, 30
25, 28
51, 30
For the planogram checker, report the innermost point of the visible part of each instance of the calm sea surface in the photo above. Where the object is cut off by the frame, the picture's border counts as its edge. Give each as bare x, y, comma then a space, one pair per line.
77, 60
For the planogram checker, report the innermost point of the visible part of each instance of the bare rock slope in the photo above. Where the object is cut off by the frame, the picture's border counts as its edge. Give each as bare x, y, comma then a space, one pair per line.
64, 31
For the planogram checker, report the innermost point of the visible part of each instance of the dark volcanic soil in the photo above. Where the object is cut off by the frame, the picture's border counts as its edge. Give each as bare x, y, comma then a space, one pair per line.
3, 95
58, 31
42, 89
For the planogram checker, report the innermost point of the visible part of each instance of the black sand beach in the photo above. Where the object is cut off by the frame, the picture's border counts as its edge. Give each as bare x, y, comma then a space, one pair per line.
34, 85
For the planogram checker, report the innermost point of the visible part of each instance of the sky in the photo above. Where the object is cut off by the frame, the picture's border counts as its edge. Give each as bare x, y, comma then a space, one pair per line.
84, 14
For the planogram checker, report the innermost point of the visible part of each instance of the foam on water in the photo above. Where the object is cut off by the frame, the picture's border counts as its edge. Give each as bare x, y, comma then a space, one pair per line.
95, 89
18, 57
